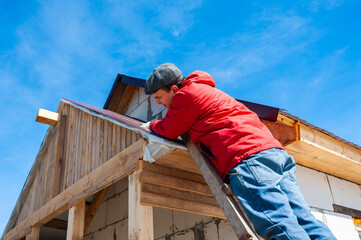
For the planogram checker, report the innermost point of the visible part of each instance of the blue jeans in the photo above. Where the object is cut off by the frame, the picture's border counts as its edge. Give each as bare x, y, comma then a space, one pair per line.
266, 187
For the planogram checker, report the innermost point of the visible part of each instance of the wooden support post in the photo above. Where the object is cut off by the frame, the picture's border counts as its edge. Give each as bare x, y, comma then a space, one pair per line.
229, 206
57, 224
140, 226
47, 117
94, 206
76, 221
34, 234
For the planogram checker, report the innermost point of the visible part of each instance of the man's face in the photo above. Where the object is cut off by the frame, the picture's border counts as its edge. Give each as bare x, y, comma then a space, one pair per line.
165, 98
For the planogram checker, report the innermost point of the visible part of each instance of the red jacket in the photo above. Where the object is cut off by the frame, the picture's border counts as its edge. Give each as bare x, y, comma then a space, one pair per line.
223, 128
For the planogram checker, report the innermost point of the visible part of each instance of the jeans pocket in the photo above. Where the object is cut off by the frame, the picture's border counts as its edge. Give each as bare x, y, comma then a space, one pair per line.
292, 177
262, 172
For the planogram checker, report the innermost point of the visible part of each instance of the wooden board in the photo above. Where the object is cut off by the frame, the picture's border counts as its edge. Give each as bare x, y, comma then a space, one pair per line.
180, 159
140, 217
93, 208
47, 117
175, 199
125, 99
175, 183
34, 234
283, 133
310, 155
117, 95
75, 230
57, 224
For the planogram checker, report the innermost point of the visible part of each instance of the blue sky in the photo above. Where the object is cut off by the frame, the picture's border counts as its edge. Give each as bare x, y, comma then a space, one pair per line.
302, 56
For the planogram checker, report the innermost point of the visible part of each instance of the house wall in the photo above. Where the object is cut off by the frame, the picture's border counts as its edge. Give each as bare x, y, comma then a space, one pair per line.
111, 219
86, 146
320, 192
144, 107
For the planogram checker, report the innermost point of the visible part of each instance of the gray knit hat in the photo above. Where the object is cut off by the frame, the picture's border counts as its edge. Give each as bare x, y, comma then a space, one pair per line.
162, 76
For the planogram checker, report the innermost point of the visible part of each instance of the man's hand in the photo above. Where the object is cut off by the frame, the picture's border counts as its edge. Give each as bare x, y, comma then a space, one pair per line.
145, 125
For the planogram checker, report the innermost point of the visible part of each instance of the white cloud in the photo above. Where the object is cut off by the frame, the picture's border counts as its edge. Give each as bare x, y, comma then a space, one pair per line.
271, 40
176, 16
316, 5
149, 27
70, 48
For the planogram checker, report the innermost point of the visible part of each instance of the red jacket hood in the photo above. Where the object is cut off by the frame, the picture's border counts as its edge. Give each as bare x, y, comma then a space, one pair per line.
199, 77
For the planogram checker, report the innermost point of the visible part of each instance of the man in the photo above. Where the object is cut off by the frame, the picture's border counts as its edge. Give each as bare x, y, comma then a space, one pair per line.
239, 145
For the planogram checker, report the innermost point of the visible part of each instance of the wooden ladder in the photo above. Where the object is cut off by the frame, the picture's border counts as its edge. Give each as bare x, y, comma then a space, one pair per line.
222, 192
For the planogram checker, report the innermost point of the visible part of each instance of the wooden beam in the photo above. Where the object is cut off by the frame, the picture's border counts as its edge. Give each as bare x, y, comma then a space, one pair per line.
283, 133
93, 208
57, 224
348, 211
116, 96
177, 156
76, 221
140, 226
173, 188
318, 150
229, 206
175, 199
173, 171
176, 183
116, 168
337, 147
125, 98
179, 194
47, 117
320, 138
34, 234
312, 155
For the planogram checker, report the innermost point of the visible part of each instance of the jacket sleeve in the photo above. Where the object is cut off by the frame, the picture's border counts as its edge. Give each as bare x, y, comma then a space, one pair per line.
179, 118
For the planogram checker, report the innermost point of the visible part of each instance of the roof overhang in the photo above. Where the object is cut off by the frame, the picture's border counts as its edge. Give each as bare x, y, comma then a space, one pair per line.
124, 87
318, 150
311, 146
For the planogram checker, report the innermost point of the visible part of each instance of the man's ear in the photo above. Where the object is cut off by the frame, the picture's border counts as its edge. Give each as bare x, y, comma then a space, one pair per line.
174, 88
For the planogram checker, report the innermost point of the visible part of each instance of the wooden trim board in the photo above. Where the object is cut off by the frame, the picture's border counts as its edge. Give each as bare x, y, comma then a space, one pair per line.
47, 117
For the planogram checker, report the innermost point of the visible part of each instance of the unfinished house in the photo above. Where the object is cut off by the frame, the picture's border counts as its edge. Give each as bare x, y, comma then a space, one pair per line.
98, 175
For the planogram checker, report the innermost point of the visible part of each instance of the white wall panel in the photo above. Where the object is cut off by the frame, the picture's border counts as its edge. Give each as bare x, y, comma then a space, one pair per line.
345, 193
314, 187
341, 226
139, 106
